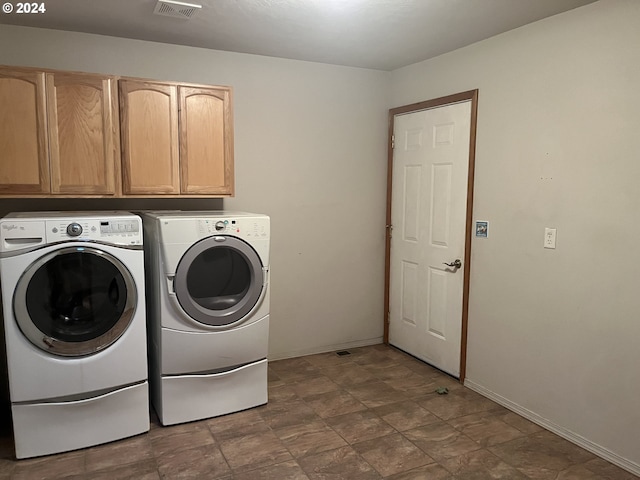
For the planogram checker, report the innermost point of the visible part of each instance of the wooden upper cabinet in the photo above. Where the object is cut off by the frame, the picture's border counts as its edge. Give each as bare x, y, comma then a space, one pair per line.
206, 141
82, 133
24, 151
176, 139
149, 135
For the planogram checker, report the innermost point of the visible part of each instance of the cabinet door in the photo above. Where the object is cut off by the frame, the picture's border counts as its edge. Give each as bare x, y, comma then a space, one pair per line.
206, 141
149, 129
24, 151
82, 134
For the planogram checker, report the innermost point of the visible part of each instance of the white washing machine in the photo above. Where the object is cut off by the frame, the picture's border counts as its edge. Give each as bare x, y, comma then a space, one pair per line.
74, 318
208, 312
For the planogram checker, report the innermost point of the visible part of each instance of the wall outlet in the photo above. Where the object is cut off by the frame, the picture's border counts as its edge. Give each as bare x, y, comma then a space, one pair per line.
549, 238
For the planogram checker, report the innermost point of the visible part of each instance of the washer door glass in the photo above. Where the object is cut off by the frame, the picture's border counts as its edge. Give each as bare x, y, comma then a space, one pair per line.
75, 301
219, 280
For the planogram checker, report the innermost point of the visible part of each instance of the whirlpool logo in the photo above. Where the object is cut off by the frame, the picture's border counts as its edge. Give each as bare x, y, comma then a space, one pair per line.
11, 226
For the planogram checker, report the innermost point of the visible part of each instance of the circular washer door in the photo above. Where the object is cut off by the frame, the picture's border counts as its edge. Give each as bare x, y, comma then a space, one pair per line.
219, 280
75, 301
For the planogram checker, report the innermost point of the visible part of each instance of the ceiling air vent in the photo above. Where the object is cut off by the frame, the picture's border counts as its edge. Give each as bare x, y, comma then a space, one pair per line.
170, 8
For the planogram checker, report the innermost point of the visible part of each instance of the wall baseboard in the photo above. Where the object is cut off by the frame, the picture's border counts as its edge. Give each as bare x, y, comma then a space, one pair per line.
557, 429
324, 349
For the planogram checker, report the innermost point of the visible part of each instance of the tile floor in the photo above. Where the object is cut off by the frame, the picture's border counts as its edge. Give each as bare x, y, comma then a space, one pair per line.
369, 415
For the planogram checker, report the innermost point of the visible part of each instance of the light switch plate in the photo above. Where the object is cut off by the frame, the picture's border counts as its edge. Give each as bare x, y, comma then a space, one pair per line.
482, 229
549, 238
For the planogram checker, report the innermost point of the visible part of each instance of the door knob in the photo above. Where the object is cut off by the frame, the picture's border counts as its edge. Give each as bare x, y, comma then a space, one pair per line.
455, 264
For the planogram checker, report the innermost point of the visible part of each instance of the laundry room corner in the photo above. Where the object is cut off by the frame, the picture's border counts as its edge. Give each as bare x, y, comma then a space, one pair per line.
310, 152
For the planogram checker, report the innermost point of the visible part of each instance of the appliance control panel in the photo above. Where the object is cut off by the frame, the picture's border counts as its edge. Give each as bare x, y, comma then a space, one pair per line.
118, 231
239, 227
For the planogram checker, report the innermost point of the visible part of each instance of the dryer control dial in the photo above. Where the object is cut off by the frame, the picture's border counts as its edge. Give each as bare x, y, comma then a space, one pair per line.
74, 229
220, 226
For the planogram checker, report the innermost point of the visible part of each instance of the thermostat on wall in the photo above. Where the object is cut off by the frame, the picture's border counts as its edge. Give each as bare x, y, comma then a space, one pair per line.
482, 229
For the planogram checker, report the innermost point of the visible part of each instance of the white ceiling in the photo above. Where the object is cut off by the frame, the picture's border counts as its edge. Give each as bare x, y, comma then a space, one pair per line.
379, 34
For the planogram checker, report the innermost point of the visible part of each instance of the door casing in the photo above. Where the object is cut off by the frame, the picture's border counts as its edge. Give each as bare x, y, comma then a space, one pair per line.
471, 95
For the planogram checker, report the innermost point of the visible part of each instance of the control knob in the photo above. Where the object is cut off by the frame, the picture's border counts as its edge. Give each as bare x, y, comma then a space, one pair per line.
74, 229
220, 226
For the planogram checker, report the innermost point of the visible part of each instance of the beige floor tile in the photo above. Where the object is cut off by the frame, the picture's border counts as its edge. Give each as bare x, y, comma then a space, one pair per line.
415, 385
282, 393
309, 438
608, 471
330, 359
237, 424
392, 454
195, 463
541, 456
341, 464
314, 386
405, 415
117, 454
481, 464
360, 426
372, 358
147, 470
441, 441
251, 452
180, 437
332, 404
485, 428
273, 378
283, 471
433, 471
579, 472
457, 403
384, 372
443, 380
285, 414
294, 369
331, 417
375, 394
50, 467
348, 374
515, 420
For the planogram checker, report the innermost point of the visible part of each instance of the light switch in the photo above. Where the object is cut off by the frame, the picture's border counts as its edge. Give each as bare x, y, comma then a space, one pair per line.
482, 229
549, 238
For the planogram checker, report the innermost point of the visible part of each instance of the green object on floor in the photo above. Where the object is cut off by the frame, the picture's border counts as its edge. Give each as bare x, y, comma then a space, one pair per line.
442, 390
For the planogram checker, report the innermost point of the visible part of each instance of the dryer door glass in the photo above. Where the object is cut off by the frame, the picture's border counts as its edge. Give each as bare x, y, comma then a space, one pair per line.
75, 301
219, 280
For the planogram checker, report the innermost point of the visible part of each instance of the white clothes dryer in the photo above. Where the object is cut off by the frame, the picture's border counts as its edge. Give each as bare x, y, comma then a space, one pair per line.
74, 319
208, 312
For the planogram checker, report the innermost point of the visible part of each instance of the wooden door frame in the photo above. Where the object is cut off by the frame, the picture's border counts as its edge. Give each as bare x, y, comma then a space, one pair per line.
415, 107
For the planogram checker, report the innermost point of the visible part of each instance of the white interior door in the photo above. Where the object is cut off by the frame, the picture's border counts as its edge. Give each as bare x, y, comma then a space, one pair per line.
428, 214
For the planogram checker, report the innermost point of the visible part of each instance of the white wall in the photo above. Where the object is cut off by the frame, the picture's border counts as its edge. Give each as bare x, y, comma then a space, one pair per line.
554, 333
310, 151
